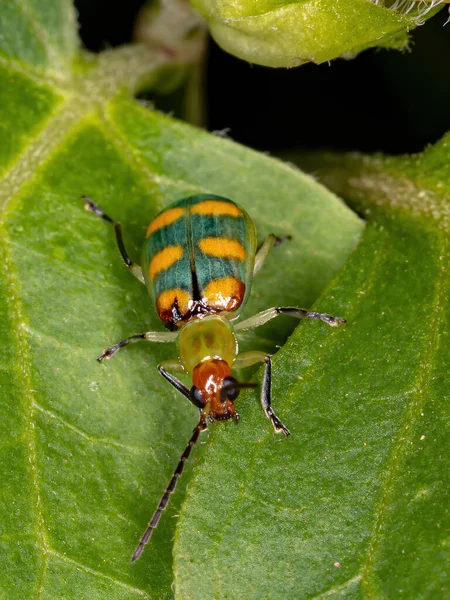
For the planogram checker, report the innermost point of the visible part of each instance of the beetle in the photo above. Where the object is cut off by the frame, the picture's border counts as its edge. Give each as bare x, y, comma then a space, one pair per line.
198, 260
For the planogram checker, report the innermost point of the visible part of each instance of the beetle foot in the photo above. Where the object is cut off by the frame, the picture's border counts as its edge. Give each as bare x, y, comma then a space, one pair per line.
279, 427
106, 354
279, 239
334, 321
90, 206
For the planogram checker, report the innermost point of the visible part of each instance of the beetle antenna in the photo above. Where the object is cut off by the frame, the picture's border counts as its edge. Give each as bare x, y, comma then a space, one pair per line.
170, 488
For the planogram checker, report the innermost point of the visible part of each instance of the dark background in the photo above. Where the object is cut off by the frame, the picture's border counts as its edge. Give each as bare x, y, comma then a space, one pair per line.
380, 101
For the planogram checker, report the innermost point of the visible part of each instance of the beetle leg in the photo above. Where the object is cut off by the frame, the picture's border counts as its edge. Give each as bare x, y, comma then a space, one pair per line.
93, 208
263, 251
175, 365
300, 313
148, 336
266, 394
247, 359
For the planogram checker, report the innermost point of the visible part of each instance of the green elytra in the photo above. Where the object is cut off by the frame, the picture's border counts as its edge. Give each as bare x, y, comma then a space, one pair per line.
185, 225
199, 259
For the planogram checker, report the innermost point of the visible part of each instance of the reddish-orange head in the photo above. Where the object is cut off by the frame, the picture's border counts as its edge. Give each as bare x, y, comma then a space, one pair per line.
215, 387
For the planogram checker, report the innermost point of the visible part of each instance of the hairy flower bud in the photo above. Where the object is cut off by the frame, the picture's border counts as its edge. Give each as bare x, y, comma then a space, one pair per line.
287, 33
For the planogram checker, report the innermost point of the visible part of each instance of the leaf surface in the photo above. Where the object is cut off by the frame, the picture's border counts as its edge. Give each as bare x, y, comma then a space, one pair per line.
87, 449
355, 504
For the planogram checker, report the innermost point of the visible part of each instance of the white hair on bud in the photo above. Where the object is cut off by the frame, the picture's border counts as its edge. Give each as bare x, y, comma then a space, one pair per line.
403, 7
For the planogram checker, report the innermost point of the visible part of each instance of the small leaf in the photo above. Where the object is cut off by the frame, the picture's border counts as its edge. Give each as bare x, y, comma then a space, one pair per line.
87, 449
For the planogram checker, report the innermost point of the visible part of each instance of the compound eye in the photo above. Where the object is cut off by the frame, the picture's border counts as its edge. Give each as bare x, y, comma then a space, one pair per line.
196, 397
233, 391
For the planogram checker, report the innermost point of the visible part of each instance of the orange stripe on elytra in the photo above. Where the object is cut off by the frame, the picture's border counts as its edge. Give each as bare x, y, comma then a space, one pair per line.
216, 207
222, 247
226, 293
166, 218
165, 259
168, 298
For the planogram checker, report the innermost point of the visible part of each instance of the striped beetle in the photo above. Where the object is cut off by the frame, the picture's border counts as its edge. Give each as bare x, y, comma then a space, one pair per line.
198, 260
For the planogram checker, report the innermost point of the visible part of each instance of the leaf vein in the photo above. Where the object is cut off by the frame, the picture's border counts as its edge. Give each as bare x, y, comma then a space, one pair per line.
41, 34
338, 588
40, 76
137, 163
89, 438
40, 585
18, 319
86, 569
116, 70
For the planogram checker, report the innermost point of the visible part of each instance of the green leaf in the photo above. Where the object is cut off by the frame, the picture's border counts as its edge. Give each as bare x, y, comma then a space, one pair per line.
355, 504
87, 449
288, 33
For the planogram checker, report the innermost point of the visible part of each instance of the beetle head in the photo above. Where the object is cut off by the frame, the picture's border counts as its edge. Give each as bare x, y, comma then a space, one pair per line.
215, 387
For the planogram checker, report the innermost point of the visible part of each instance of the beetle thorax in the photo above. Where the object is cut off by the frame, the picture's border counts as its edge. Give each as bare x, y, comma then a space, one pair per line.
207, 338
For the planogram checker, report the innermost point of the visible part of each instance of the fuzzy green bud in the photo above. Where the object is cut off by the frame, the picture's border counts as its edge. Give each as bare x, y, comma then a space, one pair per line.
287, 33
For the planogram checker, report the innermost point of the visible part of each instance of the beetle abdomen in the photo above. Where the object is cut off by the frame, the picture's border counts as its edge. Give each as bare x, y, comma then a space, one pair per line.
198, 258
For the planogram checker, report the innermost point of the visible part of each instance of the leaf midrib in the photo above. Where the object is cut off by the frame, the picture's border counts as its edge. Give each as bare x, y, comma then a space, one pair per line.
117, 71
17, 318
